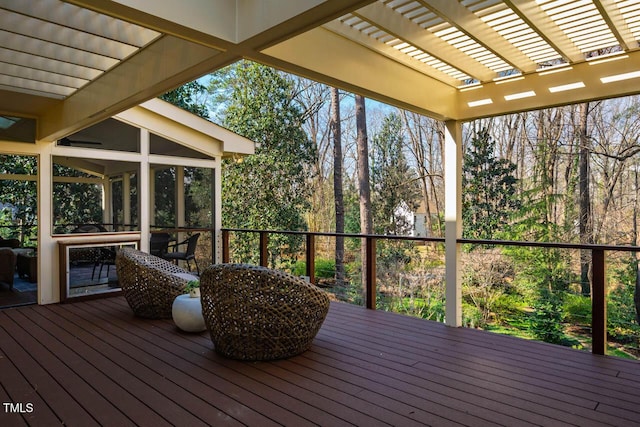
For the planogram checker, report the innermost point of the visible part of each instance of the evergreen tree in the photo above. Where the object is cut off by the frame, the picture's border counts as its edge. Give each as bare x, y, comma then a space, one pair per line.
489, 189
267, 190
394, 184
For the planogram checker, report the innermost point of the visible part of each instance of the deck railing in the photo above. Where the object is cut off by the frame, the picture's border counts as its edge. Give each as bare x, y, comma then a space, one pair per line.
598, 265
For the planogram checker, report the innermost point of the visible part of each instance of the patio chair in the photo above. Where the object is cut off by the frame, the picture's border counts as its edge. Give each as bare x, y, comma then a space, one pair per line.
9, 243
188, 254
159, 244
150, 284
256, 313
105, 256
7, 266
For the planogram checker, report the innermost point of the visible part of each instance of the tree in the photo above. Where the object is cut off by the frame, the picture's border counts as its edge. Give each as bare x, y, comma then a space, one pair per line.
267, 190
362, 143
489, 189
395, 185
336, 136
426, 137
18, 198
186, 97
585, 223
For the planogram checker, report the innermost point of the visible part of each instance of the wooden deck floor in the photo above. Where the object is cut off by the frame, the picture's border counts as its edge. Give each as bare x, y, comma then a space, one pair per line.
93, 363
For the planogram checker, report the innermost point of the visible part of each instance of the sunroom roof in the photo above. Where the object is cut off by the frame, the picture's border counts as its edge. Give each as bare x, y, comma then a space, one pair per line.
72, 63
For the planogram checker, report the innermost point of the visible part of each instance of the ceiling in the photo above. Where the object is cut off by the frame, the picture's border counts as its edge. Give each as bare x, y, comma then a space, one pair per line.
72, 64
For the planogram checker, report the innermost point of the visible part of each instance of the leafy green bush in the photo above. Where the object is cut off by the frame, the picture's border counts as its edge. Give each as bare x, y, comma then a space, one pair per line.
324, 268
472, 316
577, 309
546, 322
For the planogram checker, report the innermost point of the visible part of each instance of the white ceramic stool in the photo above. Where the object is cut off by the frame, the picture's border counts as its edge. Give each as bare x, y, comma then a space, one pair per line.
187, 313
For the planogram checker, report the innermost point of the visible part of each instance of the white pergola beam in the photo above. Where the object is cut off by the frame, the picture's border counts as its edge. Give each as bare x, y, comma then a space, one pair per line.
326, 57
388, 51
545, 84
536, 18
394, 23
470, 24
614, 19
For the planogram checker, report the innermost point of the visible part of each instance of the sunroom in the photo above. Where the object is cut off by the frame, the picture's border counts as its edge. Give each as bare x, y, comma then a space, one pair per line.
111, 184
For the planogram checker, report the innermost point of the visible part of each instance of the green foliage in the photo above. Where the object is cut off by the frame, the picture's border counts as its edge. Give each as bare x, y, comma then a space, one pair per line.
186, 97
622, 323
164, 213
191, 285
546, 322
324, 268
472, 316
18, 199
75, 203
198, 197
425, 308
394, 186
268, 190
489, 189
393, 254
577, 309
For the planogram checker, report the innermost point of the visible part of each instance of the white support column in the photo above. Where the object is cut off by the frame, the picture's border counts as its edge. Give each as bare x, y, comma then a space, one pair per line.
180, 215
126, 202
145, 192
217, 208
453, 221
48, 260
107, 201
152, 194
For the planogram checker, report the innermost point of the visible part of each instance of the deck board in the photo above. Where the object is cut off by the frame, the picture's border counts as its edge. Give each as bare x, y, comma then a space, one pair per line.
94, 363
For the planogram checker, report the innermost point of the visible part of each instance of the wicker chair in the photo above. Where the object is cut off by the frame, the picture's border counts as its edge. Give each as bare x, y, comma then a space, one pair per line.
150, 284
255, 313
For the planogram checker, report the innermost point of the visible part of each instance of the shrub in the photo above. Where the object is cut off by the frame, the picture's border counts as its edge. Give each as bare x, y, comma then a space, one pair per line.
324, 268
577, 309
546, 323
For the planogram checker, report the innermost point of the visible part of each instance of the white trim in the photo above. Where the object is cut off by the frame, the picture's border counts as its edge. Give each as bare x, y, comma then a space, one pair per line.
144, 193
453, 221
157, 159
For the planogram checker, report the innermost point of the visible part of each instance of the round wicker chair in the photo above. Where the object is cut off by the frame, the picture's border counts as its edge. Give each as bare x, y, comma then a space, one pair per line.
256, 313
150, 284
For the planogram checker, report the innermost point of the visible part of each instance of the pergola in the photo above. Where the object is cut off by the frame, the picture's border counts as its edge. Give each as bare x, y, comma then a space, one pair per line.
71, 64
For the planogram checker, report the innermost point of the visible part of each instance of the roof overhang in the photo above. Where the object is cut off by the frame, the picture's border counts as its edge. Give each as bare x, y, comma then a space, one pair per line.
186, 129
71, 64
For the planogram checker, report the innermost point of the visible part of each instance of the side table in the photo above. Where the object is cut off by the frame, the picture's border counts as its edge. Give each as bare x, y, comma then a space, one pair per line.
187, 313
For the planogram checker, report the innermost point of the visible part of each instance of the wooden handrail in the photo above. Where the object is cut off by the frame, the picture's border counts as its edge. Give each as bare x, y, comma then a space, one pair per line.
598, 260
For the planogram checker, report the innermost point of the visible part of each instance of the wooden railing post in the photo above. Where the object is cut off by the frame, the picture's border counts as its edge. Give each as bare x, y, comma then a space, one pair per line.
370, 272
598, 302
225, 246
311, 258
264, 253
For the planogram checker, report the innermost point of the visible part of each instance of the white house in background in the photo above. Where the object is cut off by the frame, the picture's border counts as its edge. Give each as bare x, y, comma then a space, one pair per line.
420, 222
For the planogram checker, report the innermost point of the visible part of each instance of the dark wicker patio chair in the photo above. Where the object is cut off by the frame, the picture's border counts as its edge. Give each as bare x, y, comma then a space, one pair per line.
256, 313
188, 254
159, 244
150, 284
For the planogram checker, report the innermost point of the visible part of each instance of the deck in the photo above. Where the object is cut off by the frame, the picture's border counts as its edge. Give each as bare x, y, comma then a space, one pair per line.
92, 363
